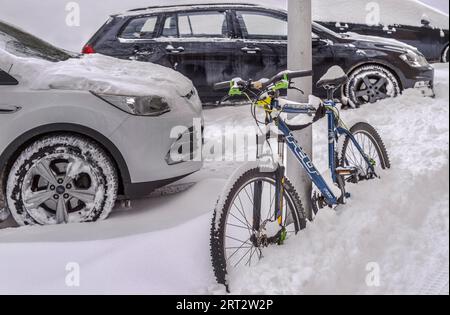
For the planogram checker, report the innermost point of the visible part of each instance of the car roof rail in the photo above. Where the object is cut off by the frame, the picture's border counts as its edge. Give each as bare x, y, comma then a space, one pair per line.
197, 5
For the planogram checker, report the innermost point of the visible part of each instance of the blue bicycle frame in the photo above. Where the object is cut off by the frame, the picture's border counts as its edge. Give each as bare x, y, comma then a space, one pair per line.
334, 132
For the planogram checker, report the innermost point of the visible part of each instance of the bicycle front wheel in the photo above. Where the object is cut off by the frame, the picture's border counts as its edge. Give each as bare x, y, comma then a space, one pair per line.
246, 221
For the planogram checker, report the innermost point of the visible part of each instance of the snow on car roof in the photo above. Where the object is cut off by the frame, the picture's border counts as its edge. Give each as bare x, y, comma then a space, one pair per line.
391, 12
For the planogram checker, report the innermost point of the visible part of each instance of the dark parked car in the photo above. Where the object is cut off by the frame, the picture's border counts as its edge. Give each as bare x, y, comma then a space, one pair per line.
214, 43
431, 41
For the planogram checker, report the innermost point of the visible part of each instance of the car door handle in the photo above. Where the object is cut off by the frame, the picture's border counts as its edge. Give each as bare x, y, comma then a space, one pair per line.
7, 109
389, 30
173, 50
251, 50
143, 52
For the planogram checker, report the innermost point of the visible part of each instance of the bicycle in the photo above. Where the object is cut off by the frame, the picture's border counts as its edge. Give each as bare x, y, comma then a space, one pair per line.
262, 208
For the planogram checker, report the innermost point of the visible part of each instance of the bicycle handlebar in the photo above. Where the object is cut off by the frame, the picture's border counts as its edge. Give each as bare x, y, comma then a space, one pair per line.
222, 85
290, 75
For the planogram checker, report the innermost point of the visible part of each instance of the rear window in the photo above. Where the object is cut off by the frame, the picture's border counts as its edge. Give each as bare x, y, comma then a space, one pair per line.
140, 28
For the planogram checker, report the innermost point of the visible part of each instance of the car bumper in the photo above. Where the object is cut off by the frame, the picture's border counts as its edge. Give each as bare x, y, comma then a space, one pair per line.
146, 144
422, 80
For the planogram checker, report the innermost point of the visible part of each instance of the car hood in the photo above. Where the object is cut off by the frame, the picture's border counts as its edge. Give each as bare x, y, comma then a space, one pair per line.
364, 41
99, 74
389, 12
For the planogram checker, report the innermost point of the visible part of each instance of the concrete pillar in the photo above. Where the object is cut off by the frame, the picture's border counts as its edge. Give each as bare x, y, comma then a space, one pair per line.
300, 58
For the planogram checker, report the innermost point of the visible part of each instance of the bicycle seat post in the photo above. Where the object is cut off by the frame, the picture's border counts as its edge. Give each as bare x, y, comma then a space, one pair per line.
330, 93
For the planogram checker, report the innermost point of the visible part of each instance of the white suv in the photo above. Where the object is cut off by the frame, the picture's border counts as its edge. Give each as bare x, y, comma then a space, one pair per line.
76, 132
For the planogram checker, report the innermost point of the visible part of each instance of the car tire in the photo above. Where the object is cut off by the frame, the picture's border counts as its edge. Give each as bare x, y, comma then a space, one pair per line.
444, 58
61, 179
4, 214
369, 84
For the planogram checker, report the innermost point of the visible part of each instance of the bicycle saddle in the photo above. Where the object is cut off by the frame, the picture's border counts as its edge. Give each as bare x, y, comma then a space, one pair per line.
333, 79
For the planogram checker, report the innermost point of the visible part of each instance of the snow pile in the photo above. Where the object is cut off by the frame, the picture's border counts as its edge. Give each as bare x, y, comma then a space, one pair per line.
400, 224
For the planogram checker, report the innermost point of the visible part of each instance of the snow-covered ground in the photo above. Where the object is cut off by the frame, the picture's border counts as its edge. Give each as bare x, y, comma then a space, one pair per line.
399, 224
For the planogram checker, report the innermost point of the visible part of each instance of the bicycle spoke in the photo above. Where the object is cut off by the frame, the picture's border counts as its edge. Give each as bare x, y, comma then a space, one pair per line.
242, 258
237, 240
358, 164
243, 212
251, 256
237, 250
238, 226
244, 245
249, 198
239, 220
236, 247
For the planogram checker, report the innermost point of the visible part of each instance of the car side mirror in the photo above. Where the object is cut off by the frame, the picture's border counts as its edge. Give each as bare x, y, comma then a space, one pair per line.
425, 22
317, 41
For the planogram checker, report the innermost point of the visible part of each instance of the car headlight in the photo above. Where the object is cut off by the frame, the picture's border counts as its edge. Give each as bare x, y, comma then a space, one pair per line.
137, 105
414, 59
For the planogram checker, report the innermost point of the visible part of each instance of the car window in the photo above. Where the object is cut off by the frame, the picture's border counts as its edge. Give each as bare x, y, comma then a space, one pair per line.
203, 24
170, 28
6, 79
23, 44
260, 25
143, 27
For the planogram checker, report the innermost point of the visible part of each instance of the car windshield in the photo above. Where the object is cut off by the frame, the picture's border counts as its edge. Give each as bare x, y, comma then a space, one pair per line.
323, 29
23, 44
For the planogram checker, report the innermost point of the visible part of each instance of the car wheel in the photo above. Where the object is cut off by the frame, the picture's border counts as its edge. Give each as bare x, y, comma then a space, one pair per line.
370, 84
61, 179
445, 55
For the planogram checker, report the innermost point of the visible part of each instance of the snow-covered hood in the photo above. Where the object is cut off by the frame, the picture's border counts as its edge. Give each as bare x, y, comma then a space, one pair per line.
364, 40
97, 73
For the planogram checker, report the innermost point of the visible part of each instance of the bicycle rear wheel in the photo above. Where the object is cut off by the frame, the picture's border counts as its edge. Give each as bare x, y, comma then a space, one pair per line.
372, 146
235, 242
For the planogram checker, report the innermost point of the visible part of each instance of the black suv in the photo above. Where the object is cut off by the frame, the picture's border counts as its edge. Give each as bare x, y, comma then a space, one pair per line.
217, 42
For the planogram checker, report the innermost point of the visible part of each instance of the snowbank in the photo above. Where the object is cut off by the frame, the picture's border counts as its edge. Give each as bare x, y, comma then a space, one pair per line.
401, 223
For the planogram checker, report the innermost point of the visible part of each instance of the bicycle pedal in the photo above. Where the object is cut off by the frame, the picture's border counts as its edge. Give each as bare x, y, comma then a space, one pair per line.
346, 171
318, 203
